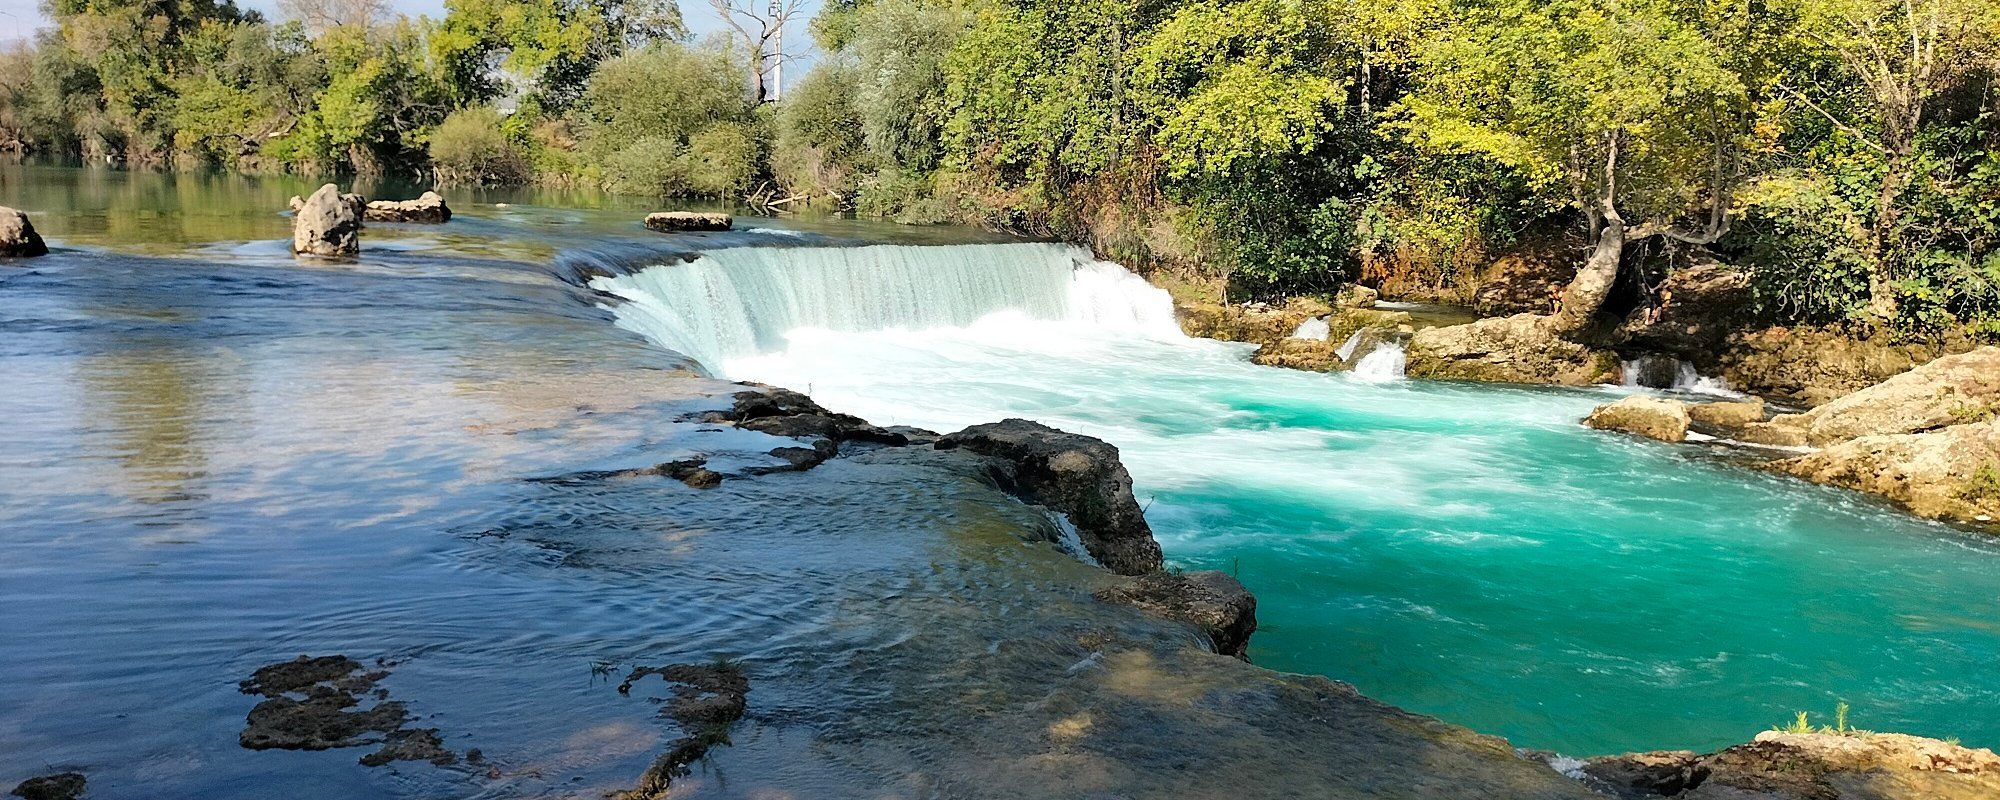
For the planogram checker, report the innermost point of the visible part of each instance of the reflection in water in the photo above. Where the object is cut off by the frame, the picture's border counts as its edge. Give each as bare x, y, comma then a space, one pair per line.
154, 398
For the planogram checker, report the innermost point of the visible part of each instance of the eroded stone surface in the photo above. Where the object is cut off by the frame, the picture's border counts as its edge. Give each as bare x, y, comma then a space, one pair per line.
1079, 476
428, 208
315, 703
1952, 473
1807, 766
327, 224
1211, 601
60, 786
1516, 349
18, 238
1645, 415
689, 221
706, 700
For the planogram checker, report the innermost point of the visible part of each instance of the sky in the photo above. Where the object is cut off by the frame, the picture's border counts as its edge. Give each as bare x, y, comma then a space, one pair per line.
19, 19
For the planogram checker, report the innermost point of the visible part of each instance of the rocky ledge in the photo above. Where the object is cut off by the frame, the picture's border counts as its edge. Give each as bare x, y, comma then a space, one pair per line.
1852, 765
1211, 601
429, 208
688, 221
1079, 476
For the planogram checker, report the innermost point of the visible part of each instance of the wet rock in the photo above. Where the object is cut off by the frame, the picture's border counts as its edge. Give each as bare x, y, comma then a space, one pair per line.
1662, 773
1953, 390
18, 238
1645, 415
60, 786
1311, 355
1211, 601
326, 225
354, 201
1343, 324
1701, 305
1728, 416
688, 221
783, 412
706, 701
1951, 474
1077, 475
1516, 349
314, 703
1252, 323
428, 208
692, 471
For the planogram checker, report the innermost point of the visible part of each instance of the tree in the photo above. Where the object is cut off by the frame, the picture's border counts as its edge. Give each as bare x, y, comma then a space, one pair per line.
319, 16
1634, 113
759, 27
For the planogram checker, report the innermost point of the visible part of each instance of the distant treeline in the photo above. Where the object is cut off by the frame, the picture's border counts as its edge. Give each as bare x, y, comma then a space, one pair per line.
1846, 152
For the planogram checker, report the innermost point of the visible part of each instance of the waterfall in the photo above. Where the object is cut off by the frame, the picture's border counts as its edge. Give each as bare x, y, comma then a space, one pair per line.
1346, 349
1315, 328
1384, 363
1658, 371
739, 302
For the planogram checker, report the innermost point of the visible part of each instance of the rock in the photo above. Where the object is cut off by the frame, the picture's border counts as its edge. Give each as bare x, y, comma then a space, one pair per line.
1211, 601
1247, 323
1728, 416
1344, 323
326, 225
1952, 473
18, 238
1516, 349
1952, 390
1810, 366
315, 704
1526, 282
783, 412
1807, 766
1311, 355
60, 786
1662, 773
1355, 295
706, 701
353, 201
1645, 415
428, 208
1703, 304
689, 221
1077, 475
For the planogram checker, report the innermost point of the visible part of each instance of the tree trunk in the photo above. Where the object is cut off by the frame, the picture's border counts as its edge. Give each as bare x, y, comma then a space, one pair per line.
1592, 285
1881, 289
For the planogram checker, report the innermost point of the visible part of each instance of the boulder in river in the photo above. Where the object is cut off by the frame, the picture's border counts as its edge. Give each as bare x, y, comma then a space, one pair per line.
1211, 601
1645, 415
327, 224
689, 221
1516, 349
353, 201
1953, 473
17, 236
1952, 390
1810, 366
1850, 765
1077, 475
1255, 323
428, 208
60, 786
1699, 306
1355, 295
1311, 355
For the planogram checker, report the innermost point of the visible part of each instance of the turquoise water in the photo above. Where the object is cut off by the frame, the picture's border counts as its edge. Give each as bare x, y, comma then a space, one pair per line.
1469, 551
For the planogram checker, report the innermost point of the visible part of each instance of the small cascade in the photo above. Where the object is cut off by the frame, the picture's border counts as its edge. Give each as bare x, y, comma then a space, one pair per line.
1315, 328
1385, 362
1346, 349
738, 302
1660, 371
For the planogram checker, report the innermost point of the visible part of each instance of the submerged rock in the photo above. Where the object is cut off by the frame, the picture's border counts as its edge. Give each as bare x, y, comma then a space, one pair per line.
689, 221
327, 225
1807, 766
706, 701
1953, 390
60, 786
1077, 475
427, 208
1645, 415
1211, 601
1516, 349
314, 703
1952, 473
18, 238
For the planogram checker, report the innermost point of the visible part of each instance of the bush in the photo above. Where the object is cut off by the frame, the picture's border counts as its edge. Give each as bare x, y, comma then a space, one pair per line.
469, 147
819, 141
671, 120
651, 165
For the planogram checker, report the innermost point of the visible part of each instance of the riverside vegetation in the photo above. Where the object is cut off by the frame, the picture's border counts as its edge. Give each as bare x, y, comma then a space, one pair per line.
1842, 153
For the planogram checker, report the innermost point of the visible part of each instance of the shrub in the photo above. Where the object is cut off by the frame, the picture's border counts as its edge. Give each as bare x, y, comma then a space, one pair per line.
469, 147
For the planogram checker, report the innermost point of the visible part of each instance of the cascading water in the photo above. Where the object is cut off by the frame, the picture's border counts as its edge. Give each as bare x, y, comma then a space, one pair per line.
1384, 363
1315, 328
739, 302
1656, 371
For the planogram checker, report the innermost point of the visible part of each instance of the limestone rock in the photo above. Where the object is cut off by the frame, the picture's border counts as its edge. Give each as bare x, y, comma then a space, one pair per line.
1516, 349
1355, 295
17, 236
354, 201
1645, 415
1525, 283
1810, 366
1952, 390
428, 208
689, 221
1211, 601
1703, 304
1311, 355
327, 225
1077, 475
1344, 323
1255, 323
1807, 766
1728, 416
1952, 473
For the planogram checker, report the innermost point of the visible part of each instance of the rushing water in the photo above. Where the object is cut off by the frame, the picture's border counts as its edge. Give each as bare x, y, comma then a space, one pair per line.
1463, 550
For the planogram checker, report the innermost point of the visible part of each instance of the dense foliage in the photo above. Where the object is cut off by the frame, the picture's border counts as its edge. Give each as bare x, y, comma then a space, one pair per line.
1847, 152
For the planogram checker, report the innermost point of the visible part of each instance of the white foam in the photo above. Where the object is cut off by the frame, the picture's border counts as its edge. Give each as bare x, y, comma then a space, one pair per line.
1315, 328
